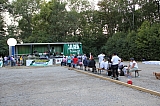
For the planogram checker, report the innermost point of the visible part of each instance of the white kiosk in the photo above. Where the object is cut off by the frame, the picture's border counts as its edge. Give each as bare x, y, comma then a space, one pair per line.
11, 42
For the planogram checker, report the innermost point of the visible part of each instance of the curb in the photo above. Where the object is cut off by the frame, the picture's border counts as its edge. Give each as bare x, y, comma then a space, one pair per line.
121, 83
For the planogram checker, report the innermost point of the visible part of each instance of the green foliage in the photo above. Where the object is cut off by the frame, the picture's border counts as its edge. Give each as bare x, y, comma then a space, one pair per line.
142, 45
116, 43
131, 32
23, 12
3, 46
3, 37
148, 40
2, 31
51, 23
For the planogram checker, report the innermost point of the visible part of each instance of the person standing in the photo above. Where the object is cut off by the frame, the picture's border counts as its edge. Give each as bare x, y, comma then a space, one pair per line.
101, 57
102, 64
13, 61
1, 61
85, 63
92, 64
114, 66
63, 62
21, 60
84, 56
9, 60
69, 61
80, 63
5, 60
75, 61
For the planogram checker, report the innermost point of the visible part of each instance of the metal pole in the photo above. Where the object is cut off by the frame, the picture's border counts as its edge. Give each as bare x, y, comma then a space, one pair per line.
158, 3
133, 14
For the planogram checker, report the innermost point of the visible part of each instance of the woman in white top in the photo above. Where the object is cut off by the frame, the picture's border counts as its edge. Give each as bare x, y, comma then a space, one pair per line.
104, 64
132, 66
101, 57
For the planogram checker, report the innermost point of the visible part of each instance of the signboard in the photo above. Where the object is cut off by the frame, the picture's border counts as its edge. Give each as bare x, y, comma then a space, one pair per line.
72, 49
39, 62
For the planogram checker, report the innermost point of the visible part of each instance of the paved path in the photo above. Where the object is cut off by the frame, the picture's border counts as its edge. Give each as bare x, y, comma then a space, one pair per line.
58, 86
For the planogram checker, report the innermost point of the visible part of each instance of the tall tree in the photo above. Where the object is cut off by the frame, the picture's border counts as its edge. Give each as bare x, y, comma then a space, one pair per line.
78, 5
3, 37
148, 40
124, 15
3, 40
23, 11
49, 24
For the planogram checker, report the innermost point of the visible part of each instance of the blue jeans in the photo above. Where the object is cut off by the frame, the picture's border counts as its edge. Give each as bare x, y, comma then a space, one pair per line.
74, 65
5, 63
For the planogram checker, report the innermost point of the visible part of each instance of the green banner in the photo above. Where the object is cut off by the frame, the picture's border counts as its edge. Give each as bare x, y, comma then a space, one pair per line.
72, 49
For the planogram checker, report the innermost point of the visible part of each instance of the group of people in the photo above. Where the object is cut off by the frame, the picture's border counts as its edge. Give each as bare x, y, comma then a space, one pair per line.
10, 60
71, 60
115, 64
81, 60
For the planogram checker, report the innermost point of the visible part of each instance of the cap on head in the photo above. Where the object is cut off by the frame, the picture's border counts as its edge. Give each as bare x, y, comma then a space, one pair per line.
131, 58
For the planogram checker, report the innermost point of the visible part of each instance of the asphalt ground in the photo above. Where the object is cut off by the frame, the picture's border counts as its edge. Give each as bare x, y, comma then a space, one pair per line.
58, 86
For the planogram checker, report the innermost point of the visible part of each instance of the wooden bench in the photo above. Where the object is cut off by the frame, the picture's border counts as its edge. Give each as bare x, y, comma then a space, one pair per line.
137, 72
99, 70
93, 69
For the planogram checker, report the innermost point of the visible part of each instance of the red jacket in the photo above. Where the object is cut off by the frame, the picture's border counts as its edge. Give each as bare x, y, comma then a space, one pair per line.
75, 60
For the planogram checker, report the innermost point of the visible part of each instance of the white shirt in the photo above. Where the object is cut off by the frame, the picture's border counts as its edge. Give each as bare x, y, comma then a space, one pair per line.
115, 60
1, 59
5, 58
84, 56
135, 66
101, 57
120, 64
102, 64
106, 65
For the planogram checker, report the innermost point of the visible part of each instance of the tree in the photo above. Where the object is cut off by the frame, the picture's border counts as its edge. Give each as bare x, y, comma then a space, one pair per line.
23, 11
148, 40
3, 40
91, 32
78, 5
50, 22
124, 15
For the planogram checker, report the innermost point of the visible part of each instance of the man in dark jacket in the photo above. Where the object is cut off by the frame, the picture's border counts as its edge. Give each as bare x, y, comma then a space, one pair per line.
86, 63
92, 64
